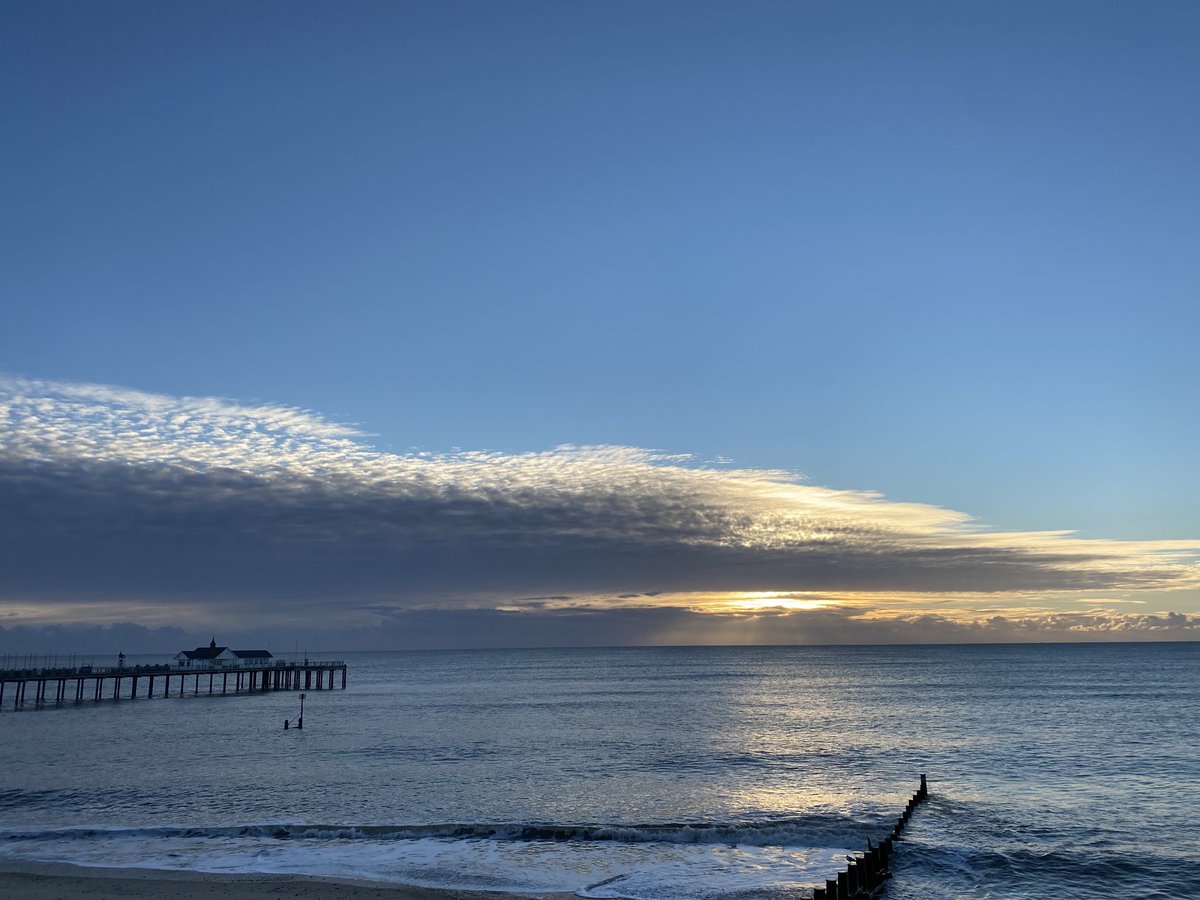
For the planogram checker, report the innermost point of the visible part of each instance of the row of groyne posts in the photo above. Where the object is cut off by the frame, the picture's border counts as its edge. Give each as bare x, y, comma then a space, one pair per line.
868, 873
122, 682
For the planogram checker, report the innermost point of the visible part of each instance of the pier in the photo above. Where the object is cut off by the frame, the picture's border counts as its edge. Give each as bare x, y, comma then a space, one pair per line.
867, 874
95, 683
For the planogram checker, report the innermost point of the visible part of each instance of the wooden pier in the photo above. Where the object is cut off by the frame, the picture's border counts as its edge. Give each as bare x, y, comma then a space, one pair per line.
80, 683
867, 875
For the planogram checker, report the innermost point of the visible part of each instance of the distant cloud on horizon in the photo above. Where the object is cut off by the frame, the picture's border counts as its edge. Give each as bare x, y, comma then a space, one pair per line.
122, 505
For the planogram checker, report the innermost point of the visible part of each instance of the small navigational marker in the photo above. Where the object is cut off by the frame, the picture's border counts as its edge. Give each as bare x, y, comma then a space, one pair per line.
867, 874
299, 720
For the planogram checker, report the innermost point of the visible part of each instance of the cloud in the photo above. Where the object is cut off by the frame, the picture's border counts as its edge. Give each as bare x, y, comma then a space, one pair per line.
116, 499
479, 628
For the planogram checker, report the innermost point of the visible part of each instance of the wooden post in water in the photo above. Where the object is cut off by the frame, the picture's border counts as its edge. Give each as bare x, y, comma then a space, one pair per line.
867, 873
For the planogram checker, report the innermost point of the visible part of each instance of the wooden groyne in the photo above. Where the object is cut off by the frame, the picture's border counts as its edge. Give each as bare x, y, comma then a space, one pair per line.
96, 683
867, 874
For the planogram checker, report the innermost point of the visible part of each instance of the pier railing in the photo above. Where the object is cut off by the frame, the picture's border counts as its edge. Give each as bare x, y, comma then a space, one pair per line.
176, 668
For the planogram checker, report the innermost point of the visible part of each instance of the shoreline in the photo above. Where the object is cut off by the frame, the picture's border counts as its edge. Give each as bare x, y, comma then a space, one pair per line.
31, 880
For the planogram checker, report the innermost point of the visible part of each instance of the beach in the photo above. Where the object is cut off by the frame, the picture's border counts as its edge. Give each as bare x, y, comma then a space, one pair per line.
46, 881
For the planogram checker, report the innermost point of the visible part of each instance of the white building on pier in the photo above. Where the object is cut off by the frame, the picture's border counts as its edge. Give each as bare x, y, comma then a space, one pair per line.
214, 657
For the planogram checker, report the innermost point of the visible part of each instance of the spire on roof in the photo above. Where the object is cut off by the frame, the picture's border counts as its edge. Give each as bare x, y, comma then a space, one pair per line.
213, 643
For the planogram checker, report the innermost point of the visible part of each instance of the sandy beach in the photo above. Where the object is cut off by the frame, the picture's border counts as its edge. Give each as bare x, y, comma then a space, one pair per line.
52, 881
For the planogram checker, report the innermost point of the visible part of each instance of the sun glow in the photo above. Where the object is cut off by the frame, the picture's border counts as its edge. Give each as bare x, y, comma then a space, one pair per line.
767, 600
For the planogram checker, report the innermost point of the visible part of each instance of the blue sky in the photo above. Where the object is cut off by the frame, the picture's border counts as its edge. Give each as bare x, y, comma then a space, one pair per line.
941, 251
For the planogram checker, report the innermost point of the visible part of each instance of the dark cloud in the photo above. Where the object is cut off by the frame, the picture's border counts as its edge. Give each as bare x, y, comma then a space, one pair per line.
108, 530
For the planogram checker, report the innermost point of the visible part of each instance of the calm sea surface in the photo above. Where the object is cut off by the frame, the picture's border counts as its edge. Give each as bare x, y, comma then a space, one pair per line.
664, 774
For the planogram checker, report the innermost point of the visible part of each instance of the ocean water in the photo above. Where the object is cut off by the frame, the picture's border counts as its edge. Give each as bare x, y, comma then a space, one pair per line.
656, 774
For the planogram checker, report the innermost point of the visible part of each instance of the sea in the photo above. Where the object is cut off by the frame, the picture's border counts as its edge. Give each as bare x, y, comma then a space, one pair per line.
683, 773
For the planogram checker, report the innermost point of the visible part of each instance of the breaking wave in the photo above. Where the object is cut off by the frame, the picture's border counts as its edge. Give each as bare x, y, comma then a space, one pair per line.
800, 831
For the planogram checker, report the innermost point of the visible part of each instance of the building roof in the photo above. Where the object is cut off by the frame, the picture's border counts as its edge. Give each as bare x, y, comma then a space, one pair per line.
210, 652
252, 654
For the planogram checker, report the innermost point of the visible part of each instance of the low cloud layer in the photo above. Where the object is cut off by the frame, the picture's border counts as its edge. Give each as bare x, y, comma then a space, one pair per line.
116, 500
406, 629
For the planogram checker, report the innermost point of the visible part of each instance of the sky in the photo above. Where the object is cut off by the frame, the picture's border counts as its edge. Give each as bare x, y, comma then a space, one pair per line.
523, 324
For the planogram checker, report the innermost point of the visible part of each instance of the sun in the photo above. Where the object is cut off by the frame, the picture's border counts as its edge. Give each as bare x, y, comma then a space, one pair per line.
770, 600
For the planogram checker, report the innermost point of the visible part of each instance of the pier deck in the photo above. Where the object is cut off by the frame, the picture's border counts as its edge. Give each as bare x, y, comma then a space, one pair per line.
95, 683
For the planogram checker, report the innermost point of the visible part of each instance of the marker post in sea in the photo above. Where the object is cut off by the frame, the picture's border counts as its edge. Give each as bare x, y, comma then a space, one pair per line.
287, 723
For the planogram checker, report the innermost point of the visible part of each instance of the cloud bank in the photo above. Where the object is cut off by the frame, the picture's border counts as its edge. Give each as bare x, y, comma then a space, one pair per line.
116, 500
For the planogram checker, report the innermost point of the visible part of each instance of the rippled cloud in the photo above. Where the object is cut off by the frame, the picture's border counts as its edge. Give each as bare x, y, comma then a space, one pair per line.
120, 499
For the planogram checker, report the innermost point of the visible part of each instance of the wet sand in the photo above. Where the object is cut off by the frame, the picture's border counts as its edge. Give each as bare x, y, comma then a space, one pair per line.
52, 881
